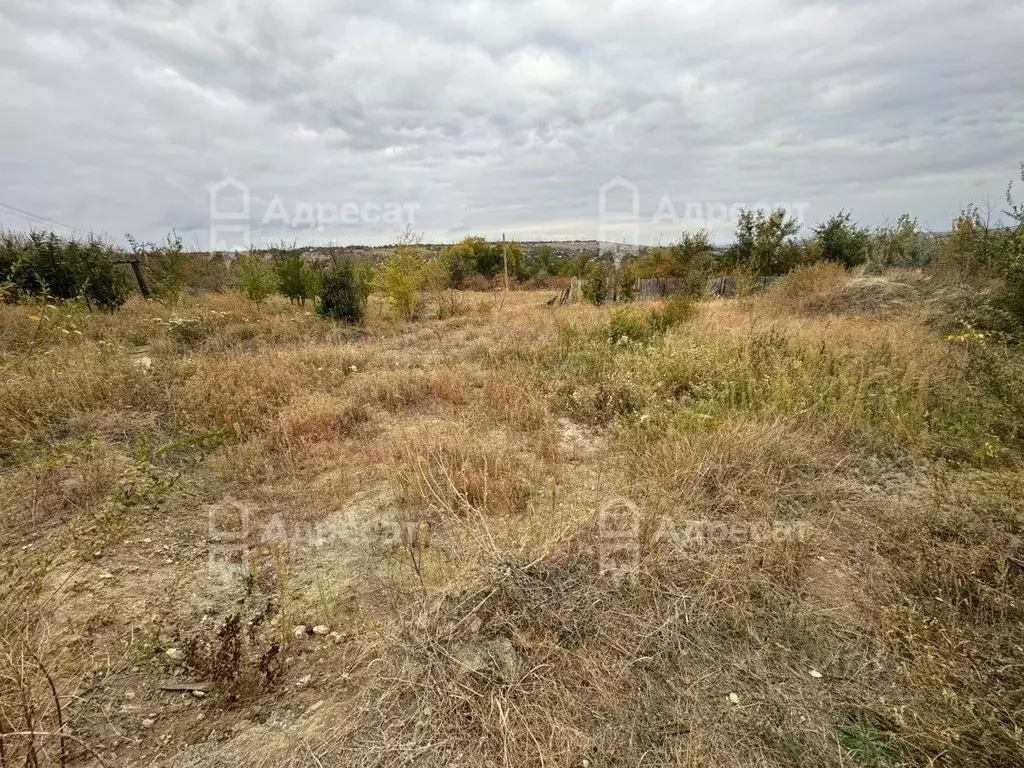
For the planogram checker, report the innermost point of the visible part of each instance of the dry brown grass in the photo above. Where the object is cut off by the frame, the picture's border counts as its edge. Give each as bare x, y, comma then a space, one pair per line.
828, 567
461, 472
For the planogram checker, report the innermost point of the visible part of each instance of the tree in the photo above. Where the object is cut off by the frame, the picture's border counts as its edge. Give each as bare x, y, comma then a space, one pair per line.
765, 243
296, 278
256, 276
842, 241
541, 259
659, 261
343, 293
579, 265
595, 284
406, 273
460, 260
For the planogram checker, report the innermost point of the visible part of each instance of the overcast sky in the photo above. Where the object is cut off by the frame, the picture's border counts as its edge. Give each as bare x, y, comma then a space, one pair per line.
488, 117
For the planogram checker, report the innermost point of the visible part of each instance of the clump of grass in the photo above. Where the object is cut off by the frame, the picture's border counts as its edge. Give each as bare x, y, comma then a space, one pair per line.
43, 393
703, 377
247, 390
315, 418
459, 473
632, 325
406, 389
515, 396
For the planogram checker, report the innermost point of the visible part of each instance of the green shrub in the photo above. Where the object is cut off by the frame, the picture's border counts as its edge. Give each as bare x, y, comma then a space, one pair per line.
842, 241
297, 280
47, 265
343, 293
595, 285
399, 279
474, 256
901, 245
1010, 298
765, 243
407, 273
975, 248
637, 326
256, 276
166, 267
692, 258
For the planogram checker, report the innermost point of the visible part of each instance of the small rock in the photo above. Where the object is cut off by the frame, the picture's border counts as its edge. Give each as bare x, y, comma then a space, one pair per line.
300, 630
321, 629
734, 698
175, 654
304, 680
148, 722
815, 674
199, 694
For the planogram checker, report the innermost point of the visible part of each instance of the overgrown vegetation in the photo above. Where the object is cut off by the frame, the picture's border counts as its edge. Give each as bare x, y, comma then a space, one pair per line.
778, 530
298, 280
343, 293
51, 267
255, 276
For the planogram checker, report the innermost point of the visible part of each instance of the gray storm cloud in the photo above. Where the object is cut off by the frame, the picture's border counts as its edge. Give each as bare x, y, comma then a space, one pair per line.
490, 117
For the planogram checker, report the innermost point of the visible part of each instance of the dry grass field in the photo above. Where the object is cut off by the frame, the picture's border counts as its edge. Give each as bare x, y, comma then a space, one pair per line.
383, 546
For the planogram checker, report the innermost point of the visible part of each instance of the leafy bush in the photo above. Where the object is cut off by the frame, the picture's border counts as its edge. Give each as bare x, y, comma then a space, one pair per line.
256, 276
692, 258
408, 272
901, 245
765, 243
398, 278
296, 279
474, 256
974, 249
1009, 300
595, 285
166, 266
634, 325
47, 265
343, 293
842, 241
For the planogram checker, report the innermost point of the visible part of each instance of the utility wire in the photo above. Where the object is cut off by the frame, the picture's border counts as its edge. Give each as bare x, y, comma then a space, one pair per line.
37, 219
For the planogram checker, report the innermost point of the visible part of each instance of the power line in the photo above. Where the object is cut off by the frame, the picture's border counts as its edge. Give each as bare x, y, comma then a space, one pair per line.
37, 219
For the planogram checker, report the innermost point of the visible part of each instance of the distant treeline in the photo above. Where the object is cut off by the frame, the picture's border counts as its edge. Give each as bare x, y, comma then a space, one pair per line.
766, 243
